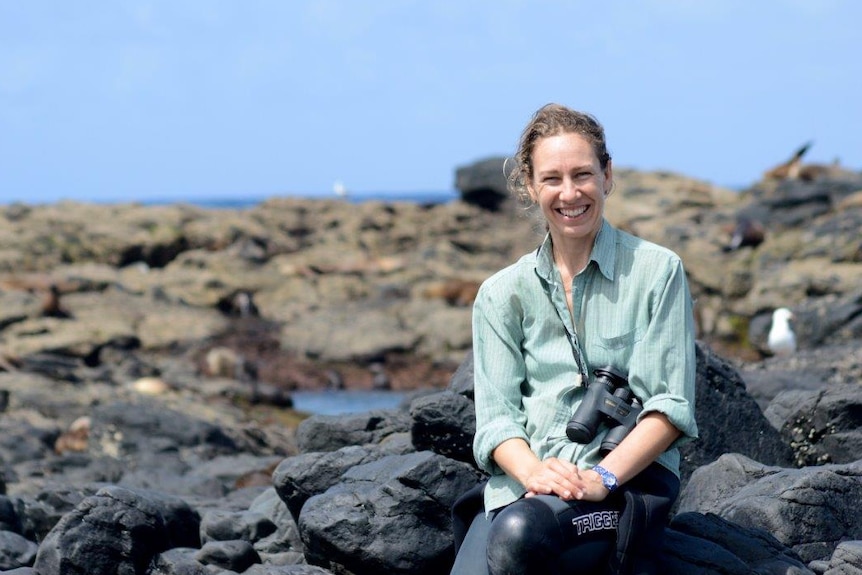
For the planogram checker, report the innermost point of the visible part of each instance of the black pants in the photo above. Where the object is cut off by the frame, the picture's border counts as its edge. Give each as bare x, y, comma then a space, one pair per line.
541, 534
547, 535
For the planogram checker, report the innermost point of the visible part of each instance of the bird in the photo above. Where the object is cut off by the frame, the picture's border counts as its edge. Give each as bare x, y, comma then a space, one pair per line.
781, 340
747, 232
788, 170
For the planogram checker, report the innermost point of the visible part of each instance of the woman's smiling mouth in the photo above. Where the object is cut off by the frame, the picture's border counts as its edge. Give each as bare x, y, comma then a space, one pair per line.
572, 212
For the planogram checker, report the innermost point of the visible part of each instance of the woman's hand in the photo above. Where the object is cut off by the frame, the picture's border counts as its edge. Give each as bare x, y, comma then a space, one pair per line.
556, 476
551, 476
566, 481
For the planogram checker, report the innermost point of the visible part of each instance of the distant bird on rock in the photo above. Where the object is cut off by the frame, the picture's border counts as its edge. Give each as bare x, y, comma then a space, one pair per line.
747, 233
788, 170
51, 306
781, 340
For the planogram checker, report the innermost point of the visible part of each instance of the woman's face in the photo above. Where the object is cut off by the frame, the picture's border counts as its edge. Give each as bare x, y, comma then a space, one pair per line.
570, 186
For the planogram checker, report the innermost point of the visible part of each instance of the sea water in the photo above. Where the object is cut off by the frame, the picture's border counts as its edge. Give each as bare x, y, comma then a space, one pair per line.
228, 203
338, 402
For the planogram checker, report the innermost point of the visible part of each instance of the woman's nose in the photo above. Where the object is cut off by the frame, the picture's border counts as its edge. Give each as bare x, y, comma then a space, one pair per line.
570, 189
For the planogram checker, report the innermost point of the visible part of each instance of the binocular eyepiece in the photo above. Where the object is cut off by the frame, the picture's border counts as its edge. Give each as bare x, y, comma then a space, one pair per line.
607, 399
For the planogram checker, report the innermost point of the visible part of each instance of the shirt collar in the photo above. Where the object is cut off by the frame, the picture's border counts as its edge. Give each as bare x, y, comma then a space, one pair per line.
603, 253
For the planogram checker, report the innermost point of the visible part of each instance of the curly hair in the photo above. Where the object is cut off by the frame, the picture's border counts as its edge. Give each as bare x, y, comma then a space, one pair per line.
552, 120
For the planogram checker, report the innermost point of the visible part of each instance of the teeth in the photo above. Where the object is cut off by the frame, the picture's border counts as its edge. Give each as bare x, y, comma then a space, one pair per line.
571, 213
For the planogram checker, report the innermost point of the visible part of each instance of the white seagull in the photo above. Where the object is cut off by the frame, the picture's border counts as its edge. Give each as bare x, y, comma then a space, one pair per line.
781, 340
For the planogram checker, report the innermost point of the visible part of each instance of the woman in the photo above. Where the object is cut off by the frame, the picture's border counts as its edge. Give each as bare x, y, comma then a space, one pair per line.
589, 297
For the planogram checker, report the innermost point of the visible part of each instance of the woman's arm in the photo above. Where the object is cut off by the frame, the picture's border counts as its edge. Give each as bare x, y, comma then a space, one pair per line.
649, 438
652, 436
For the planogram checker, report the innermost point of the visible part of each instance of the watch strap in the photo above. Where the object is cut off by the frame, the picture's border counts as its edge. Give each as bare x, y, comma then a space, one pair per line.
609, 480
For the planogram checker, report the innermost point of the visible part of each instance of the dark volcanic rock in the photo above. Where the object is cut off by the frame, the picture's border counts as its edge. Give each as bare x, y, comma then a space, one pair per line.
706, 544
821, 426
444, 423
388, 516
722, 405
331, 432
809, 510
300, 477
483, 183
116, 531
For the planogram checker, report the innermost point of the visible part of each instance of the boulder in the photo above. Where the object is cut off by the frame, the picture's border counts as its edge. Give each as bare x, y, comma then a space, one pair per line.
116, 531
298, 478
444, 423
483, 183
822, 426
332, 432
16, 551
706, 544
809, 510
721, 402
392, 515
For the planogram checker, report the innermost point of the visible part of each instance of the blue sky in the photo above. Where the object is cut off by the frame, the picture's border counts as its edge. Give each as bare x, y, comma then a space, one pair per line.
135, 100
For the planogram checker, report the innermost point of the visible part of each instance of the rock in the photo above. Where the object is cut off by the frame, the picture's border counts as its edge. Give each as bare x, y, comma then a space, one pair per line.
483, 183
16, 551
809, 510
298, 478
706, 544
331, 432
219, 525
237, 555
444, 423
821, 426
462, 379
9, 520
846, 559
388, 516
721, 402
286, 570
122, 428
115, 531
282, 546
179, 561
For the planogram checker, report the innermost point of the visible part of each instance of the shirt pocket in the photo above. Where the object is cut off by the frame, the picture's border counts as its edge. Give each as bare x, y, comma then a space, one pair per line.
621, 341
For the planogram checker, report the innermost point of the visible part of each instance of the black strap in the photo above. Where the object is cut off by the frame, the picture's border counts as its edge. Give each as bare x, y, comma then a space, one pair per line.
648, 499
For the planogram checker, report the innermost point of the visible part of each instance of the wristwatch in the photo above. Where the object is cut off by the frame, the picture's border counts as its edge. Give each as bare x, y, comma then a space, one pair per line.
609, 480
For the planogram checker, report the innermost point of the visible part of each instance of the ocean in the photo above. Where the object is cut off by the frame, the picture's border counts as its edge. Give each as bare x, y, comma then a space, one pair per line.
418, 197
339, 402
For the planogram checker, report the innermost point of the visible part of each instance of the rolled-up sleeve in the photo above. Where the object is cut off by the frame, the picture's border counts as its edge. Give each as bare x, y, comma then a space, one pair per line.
498, 373
663, 366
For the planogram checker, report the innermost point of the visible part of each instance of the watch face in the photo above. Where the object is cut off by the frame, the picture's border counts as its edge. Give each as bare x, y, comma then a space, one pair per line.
609, 480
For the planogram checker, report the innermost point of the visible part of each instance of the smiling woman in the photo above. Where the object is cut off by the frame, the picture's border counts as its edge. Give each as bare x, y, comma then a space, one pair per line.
590, 299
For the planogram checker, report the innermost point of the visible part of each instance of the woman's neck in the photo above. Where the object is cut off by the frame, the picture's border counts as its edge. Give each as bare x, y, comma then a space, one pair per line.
573, 256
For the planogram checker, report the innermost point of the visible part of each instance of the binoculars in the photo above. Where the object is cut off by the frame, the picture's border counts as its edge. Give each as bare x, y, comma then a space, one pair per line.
609, 400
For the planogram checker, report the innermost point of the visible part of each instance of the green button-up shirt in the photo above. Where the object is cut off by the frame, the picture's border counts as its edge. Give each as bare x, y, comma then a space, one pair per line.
631, 310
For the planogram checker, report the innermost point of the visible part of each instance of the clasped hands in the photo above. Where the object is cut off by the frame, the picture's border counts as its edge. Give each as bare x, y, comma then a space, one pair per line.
565, 480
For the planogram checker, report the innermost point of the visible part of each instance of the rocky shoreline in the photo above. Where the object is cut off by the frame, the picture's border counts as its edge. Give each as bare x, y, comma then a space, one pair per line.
148, 353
